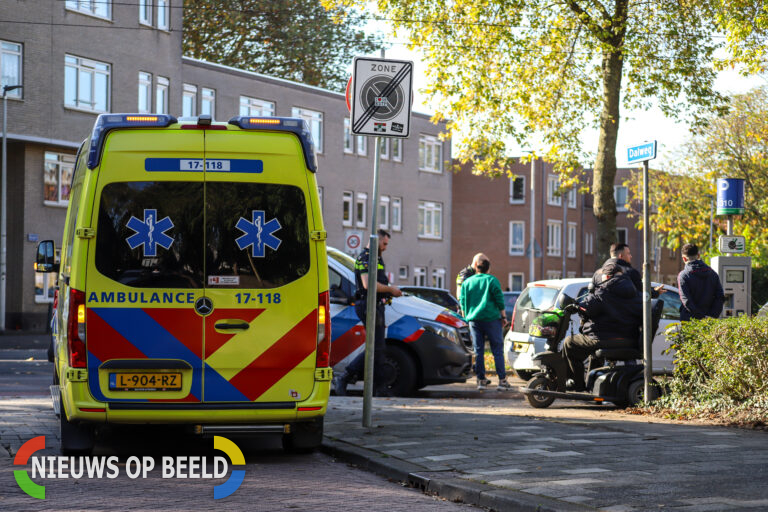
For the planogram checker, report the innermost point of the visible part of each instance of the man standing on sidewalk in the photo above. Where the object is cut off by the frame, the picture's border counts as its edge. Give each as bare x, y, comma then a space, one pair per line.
701, 293
483, 305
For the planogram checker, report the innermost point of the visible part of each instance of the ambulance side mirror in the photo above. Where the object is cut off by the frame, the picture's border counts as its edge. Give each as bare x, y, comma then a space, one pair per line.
338, 296
46, 257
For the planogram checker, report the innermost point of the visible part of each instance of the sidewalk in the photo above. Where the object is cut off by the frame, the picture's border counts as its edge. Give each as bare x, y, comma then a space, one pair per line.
492, 449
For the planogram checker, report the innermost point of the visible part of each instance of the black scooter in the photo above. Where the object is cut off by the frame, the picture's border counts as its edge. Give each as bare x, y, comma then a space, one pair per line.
620, 380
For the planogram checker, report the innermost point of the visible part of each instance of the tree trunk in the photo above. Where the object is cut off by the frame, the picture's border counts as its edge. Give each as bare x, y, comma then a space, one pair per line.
605, 164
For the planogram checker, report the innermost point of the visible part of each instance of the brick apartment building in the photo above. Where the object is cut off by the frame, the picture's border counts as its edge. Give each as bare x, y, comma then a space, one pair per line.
493, 215
78, 59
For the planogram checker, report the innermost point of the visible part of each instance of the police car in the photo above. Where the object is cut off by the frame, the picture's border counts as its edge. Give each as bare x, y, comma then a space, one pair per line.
426, 344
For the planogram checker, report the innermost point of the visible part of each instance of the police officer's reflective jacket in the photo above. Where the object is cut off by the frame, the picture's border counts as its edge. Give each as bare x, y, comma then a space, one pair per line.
362, 267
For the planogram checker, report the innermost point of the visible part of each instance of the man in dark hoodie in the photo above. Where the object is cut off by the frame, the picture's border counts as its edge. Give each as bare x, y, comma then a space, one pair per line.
614, 314
701, 293
622, 256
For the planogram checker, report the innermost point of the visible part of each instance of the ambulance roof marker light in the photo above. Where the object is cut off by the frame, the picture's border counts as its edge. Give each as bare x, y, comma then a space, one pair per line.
283, 124
107, 122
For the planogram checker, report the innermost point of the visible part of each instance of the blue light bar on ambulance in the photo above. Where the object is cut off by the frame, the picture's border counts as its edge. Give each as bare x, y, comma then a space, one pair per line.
283, 124
107, 122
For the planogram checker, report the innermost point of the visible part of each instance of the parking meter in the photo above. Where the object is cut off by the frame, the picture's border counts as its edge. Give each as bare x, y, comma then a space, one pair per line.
735, 274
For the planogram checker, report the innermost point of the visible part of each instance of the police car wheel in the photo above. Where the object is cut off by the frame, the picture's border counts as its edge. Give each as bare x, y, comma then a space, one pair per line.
399, 371
76, 439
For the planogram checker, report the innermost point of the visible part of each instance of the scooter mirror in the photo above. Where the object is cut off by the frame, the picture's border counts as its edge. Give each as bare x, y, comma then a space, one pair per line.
564, 300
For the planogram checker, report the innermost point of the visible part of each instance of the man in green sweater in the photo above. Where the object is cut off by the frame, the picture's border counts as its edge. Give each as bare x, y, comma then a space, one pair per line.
483, 305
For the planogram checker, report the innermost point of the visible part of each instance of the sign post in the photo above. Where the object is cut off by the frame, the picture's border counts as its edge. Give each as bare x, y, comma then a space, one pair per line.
644, 153
381, 96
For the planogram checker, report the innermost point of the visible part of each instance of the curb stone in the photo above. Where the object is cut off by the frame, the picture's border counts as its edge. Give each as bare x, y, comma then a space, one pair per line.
445, 485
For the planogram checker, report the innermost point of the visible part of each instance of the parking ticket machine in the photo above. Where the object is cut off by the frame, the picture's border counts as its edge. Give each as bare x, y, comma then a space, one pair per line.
736, 277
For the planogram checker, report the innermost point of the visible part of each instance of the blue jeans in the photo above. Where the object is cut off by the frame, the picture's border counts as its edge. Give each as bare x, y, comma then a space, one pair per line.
492, 330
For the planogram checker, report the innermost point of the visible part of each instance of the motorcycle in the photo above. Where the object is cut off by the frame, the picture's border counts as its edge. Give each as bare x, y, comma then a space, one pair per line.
619, 379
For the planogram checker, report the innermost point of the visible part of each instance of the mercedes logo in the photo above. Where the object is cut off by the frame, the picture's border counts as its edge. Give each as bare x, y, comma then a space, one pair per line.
204, 306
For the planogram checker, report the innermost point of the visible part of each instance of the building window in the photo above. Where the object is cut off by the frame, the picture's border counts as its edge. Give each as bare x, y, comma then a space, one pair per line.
397, 214
430, 220
517, 190
315, 122
553, 274
621, 235
100, 8
430, 154
572, 195
397, 150
384, 148
208, 102
189, 101
346, 216
571, 239
554, 236
515, 281
672, 253
145, 12
362, 145
163, 14
571, 274
145, 93
45, 284
420, 276
384, 212
254, 107
10, 66
161, 95
320, 197
620, 195
57, 178
516, 238
349, 141
438, 277
553, 184
402, 272
361, 206
588, 241
86, 84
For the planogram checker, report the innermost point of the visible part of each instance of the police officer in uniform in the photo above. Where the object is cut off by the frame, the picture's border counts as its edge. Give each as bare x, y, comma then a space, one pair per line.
384, 291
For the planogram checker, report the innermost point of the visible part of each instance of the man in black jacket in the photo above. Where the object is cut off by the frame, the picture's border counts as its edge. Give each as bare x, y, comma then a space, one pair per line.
622, 256
701, 293
614, 315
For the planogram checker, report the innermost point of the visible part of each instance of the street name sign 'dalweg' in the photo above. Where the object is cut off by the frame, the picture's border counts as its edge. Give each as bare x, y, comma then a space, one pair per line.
641, 153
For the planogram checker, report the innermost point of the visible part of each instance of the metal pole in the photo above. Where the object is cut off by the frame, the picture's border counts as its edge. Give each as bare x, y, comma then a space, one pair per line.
648, 373
532, 246
711, 224
3, 224
373, 270
564, 235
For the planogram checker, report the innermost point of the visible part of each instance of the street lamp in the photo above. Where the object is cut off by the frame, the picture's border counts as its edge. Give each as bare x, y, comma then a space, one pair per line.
3, 221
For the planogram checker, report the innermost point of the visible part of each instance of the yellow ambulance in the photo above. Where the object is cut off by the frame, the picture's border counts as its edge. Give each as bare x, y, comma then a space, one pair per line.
193, 281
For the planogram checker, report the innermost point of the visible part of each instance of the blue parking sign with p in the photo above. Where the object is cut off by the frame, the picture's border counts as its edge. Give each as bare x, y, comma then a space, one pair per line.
730, 196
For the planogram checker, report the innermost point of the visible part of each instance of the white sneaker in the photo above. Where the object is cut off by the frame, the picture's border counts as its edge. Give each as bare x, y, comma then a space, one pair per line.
483, 383
504, 385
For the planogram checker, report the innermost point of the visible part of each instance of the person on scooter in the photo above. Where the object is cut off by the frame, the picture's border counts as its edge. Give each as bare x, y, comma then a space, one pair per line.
613, 316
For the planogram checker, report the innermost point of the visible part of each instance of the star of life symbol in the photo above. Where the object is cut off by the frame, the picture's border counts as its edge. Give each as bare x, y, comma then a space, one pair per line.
150, 233
258, 234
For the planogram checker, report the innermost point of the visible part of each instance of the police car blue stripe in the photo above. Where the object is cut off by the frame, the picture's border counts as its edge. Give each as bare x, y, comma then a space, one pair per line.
405, 326
343, 322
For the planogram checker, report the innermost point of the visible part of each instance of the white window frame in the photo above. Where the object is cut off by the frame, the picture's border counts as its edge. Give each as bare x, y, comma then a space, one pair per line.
626, 235
396, 213
58, 169
516, 249
162, 95
554, 237
430, 224
553, 184
512, 199
314, 120
588, 243
438, 277
430, 154
397, 150
208, 97
163, 15
189, 92
256, 107
349, 140
91, 8
402, 272
571, 239
18, 56
572, 195
383, 212
145, 12
554, 274
511, 281
420, 276
620, 207
92, 68
145, 82
362, 145
384, 148
571, 274
347, 204
361, 209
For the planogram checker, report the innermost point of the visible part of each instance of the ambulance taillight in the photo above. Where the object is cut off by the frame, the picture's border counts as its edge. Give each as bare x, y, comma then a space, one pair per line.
76, 329
323, 357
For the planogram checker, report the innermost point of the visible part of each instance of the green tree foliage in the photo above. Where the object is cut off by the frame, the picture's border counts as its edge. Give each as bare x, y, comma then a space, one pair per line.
745, 23
547, 71
293, 39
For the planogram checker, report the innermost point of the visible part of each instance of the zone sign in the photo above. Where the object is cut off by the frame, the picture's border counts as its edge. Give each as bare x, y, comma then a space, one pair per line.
381, 97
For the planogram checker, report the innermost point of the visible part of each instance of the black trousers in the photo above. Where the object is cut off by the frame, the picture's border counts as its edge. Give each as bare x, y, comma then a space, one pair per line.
578, 347
356, 369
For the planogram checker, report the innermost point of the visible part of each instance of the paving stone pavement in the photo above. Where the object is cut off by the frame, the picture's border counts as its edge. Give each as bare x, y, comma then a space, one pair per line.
578, 457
